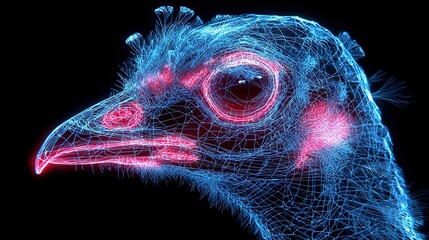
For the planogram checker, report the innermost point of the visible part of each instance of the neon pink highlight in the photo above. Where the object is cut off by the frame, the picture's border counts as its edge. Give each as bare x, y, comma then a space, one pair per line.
191, 79
326, 126
125, 117
237, 59
167, 148
175, 154
158, 83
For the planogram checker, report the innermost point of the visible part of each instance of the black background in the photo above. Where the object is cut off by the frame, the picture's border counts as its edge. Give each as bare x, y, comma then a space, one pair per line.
69, 60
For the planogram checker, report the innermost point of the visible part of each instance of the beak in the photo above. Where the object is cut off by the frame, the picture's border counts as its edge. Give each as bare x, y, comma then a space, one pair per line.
82, 140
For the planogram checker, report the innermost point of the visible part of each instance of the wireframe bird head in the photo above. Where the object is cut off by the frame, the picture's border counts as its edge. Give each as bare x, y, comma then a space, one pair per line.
269, 115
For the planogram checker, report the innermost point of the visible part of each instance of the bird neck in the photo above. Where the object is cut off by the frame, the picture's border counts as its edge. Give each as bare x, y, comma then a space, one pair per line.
300, 207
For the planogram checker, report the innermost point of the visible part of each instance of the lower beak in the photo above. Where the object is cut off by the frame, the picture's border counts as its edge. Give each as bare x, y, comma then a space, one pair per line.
66, 146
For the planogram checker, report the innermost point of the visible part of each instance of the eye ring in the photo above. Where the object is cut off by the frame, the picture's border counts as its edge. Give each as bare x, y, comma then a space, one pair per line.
238, 59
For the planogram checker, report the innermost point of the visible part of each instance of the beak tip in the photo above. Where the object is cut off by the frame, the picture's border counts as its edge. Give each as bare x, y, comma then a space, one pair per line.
40, 165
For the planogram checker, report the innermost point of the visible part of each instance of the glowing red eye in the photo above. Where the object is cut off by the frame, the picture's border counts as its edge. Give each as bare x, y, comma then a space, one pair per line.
125, 117
236, 92
243, 89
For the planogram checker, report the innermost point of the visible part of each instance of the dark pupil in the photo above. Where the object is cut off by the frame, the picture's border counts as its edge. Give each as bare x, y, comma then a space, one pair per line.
238, 92
244, 89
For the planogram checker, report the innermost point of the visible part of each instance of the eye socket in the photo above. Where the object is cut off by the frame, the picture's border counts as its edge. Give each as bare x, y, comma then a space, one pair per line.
243, 89
238, 90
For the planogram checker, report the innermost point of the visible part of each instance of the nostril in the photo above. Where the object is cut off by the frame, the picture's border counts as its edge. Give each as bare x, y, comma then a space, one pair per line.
125, 117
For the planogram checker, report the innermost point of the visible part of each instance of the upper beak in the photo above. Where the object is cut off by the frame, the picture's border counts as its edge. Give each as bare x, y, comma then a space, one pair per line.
81, 140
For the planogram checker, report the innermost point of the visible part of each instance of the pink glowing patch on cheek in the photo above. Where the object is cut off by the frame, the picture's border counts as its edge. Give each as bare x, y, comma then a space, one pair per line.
158, 83
326, 127
126, 117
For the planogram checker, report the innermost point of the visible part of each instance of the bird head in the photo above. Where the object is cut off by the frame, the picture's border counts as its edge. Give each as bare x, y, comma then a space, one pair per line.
269, 114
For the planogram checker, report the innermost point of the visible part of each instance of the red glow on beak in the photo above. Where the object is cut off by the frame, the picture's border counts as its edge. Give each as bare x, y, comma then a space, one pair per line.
136, 152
